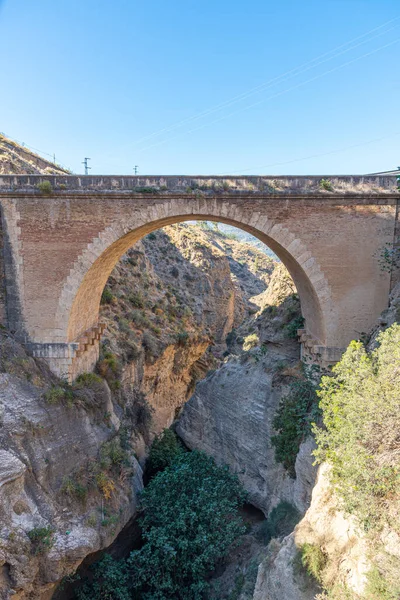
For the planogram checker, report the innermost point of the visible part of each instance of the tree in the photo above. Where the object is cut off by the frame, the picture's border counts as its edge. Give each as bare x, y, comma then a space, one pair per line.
190, 520
361, 439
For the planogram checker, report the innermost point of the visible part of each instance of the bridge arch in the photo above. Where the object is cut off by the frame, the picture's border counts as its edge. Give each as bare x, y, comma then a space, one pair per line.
79, 302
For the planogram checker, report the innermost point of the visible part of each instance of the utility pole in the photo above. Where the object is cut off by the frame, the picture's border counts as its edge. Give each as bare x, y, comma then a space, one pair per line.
135, 169
86, 165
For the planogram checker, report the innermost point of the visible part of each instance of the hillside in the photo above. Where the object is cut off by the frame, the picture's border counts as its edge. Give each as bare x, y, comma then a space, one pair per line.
18, 160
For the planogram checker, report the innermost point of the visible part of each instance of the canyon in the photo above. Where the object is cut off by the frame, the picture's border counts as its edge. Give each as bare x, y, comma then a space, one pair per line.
199, 332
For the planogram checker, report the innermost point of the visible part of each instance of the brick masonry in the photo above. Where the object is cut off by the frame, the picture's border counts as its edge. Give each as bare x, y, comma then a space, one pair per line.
62, 247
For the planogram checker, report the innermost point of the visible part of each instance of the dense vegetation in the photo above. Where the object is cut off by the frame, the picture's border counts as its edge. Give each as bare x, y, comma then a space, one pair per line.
190, 520
361, 441
297, 410
361, 438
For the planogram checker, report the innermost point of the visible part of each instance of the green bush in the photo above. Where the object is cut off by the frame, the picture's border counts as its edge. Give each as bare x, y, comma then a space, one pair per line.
150, 345
55, 394
74, 489
45, 187
361, 414
314, 560
190, 521
110, 581
88, 380
107, 296
293, 422
325, 184
382, 586
293, 326
137, 300
182, 338
164, 450
41, 539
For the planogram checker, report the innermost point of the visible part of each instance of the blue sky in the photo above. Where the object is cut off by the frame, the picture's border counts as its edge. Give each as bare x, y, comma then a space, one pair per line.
98, 79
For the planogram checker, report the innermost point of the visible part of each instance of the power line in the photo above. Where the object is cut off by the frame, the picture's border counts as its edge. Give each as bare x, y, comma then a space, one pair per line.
277, 94
288, 162
292, 73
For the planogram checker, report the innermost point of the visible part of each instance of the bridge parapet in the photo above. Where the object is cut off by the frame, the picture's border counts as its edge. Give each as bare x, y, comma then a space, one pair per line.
328, 185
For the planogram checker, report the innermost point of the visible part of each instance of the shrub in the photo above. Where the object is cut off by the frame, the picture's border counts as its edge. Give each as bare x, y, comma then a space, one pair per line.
54, 395
293, 326
361, 414
136, 299
164, 450
139, 318
325, 184
45, 187
114, 455
60, 393
110, 581
109, 367
293, 422
182, 338
107, 296
73, 489
314, 560
281, 521
88, 380
382, 586
250, 341
189, 522
41, 538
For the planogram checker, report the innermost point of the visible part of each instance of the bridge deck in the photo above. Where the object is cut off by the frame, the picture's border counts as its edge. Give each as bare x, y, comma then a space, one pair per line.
328, 185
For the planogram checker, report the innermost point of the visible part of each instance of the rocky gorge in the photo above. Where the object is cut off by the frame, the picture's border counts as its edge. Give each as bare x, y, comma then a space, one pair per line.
200, 335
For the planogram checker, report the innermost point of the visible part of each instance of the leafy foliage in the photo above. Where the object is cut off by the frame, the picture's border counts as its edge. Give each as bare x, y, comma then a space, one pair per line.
314, 560
41, 538
190, 520
292, 422
293, 326
107, 297
45, 187
361, 414
110, 581
164, 450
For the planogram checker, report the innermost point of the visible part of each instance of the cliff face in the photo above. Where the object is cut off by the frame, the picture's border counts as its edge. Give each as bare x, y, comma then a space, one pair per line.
230, 415
67, 485
172, 300
347, 551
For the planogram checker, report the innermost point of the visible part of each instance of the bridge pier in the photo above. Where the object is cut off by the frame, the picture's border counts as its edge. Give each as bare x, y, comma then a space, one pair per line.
311, 351
68, 360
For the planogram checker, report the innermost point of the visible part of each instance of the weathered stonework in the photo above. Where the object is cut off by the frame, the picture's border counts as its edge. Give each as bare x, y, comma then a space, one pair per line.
62, 247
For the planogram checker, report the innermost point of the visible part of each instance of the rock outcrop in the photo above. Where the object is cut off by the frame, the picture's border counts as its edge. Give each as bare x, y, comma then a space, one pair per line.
56, 462
230, 415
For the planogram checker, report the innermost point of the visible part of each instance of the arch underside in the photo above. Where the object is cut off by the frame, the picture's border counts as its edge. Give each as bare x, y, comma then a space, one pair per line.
82, 294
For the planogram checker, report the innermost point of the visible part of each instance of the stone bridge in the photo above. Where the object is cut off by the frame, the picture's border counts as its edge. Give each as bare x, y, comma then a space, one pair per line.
61, 240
